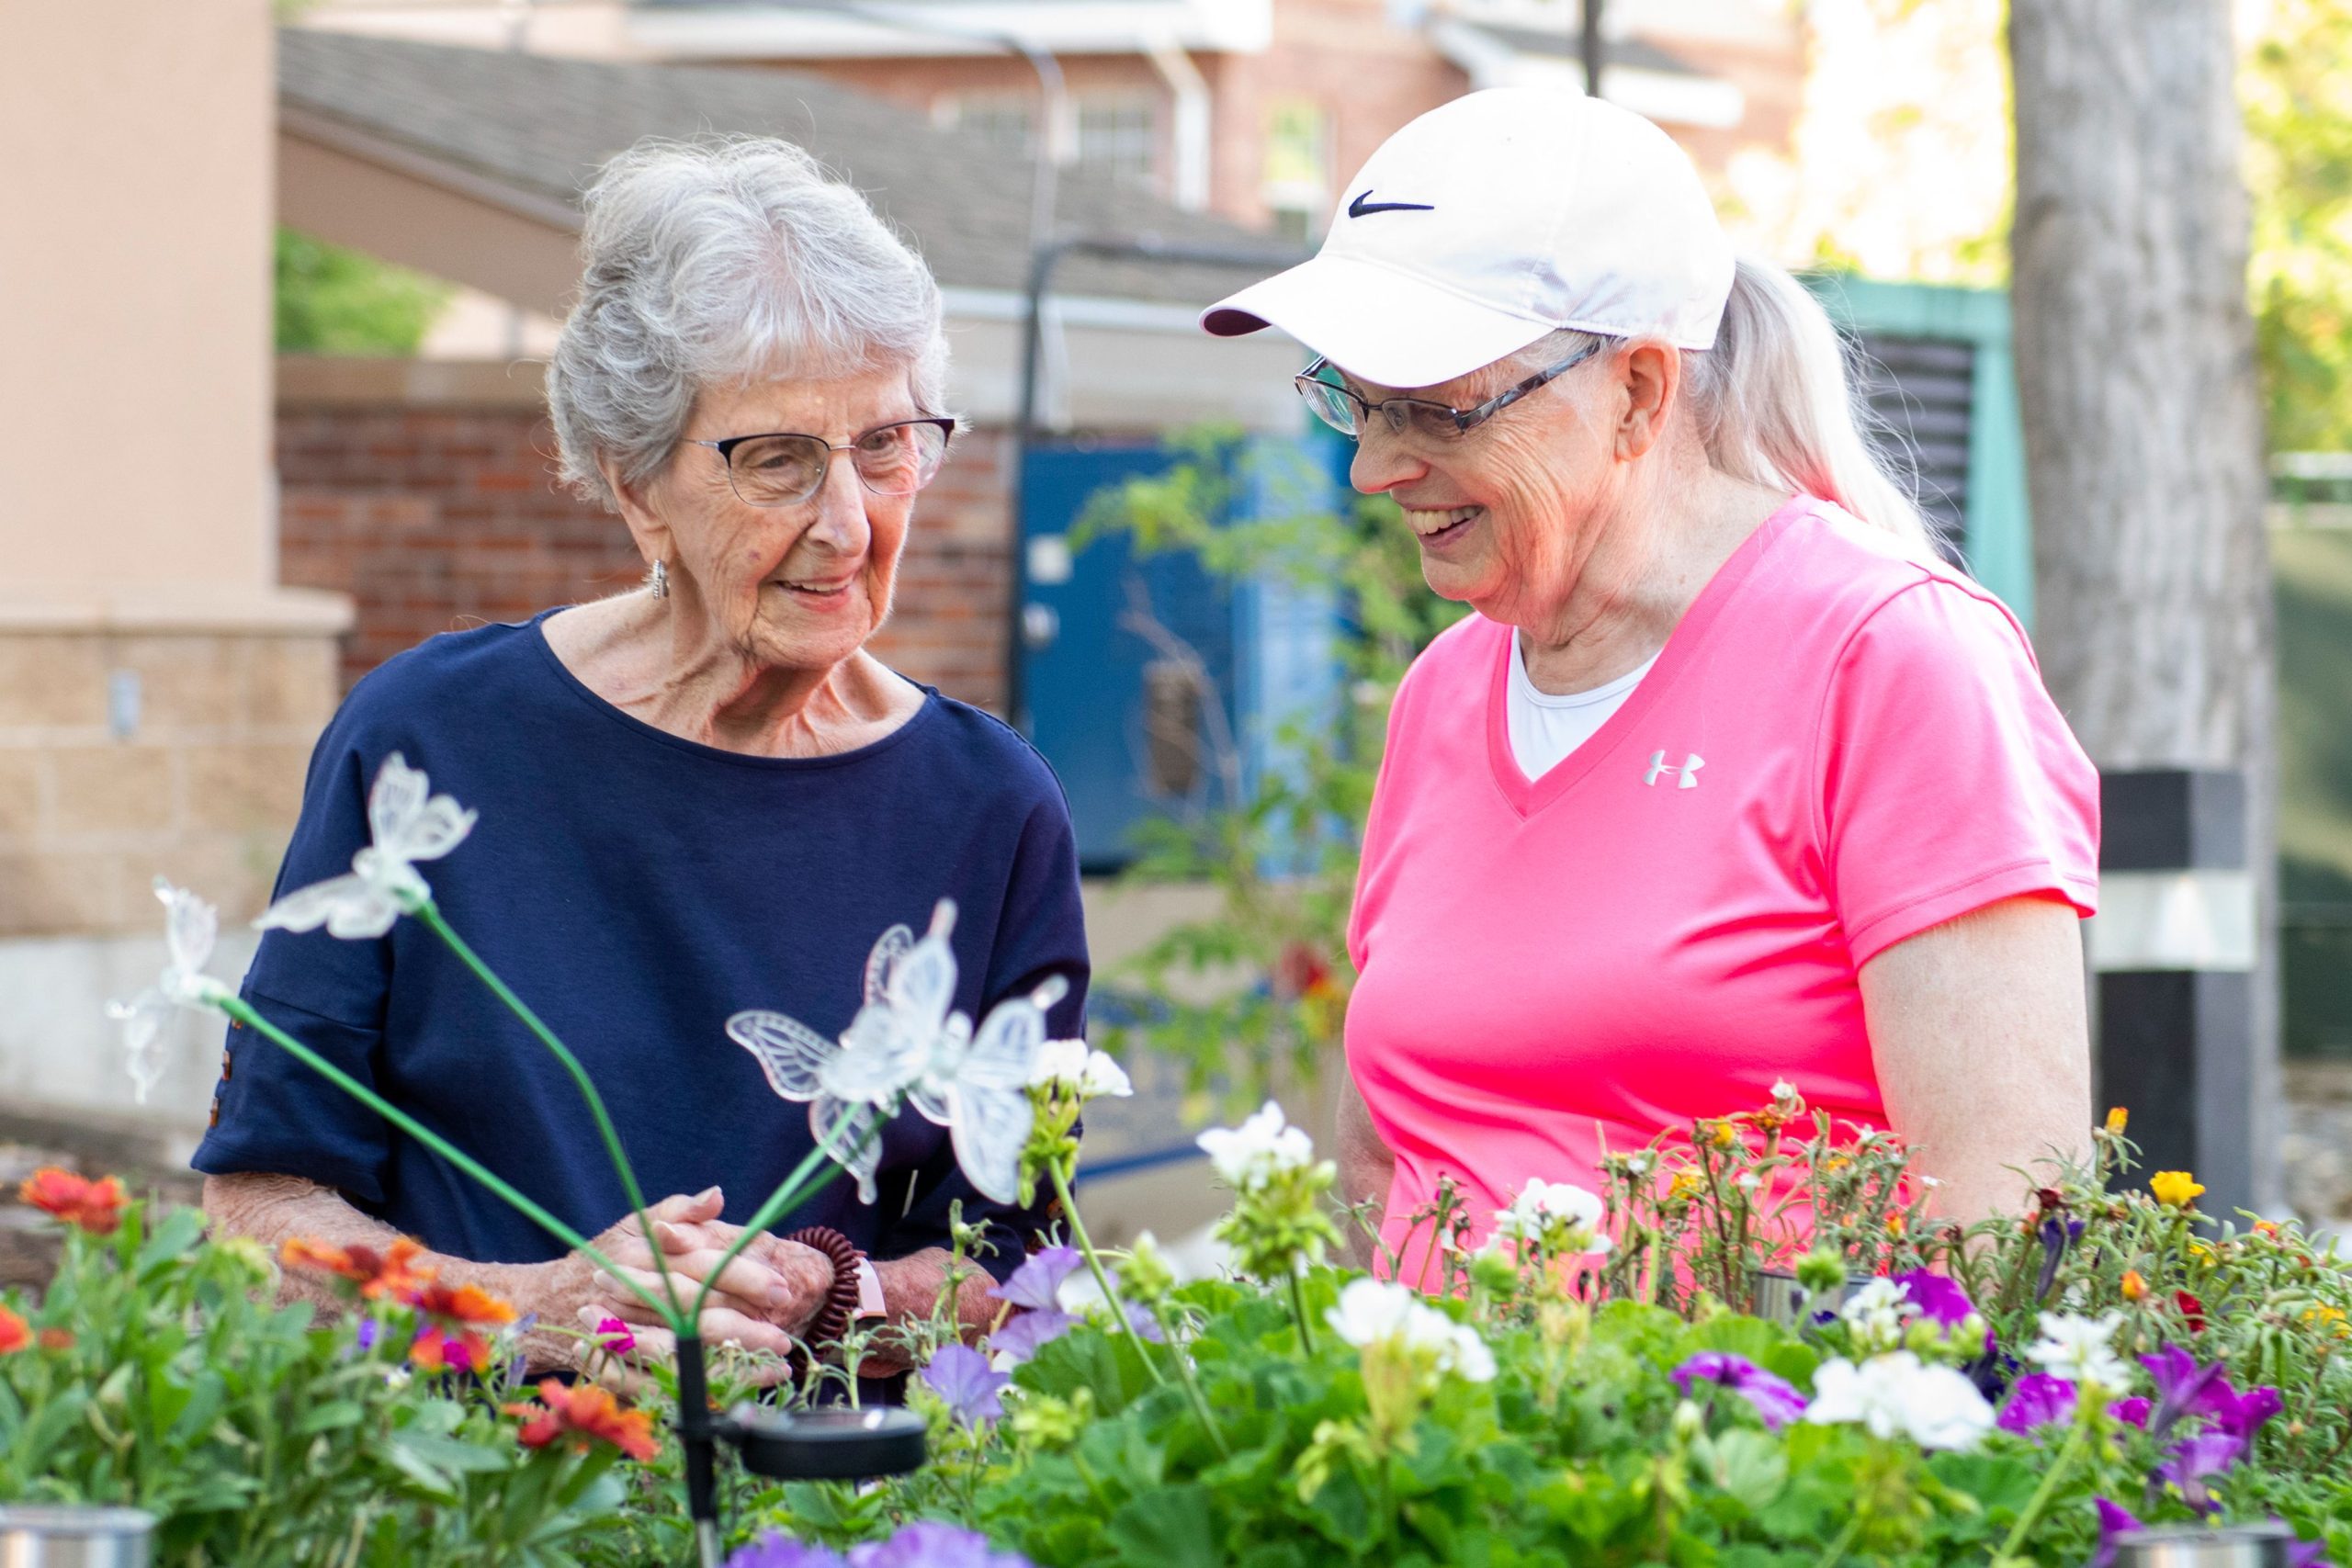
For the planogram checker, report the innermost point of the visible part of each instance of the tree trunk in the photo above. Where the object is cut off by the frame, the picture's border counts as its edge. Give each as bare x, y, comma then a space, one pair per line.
2136, 375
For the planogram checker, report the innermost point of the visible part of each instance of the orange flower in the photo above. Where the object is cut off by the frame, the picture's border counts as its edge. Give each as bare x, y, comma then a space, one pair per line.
1894, 1224
2136, 1285
2266, 1227
14, 1332
437, 1351
388, 1275
56, 1339
586, 1414
2117, 1120
95, 1206
466, 1304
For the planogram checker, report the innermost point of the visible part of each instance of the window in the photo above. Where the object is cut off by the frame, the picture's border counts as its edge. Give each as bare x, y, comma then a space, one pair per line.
1006, 122
1297, 179
1119, 135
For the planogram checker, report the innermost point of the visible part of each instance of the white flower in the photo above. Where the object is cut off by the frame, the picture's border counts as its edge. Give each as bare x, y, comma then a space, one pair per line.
1876, 1314
1748, 1181
1563, 1219
1264, 1147
1381, 1313
908, 1040
1898, 1394
1784, 1090
2078, 1347
406, 823
1639, 1164
1082, 1072
189, 927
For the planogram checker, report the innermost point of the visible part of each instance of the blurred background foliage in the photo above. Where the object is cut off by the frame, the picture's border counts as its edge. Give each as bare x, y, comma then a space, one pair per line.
333, 300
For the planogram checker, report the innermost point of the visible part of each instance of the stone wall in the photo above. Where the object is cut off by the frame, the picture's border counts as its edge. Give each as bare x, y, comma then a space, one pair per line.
126, 754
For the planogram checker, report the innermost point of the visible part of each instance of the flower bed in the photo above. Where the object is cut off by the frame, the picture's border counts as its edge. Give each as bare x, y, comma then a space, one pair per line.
1568, 1379
2138, 1368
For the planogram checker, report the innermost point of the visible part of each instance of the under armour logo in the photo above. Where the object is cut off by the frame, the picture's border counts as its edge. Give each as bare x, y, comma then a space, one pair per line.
1689, 769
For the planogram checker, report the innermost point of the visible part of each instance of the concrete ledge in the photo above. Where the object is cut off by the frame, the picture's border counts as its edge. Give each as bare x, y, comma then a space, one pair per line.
329, 382
96, 607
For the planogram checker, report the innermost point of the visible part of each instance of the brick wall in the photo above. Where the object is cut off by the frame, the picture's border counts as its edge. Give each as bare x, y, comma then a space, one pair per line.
433, 505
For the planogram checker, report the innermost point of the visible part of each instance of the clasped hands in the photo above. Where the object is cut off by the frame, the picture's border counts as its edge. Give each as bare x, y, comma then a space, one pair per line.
768, 1293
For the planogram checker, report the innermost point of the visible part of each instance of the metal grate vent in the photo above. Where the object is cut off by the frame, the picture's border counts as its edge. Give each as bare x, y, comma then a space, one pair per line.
1921, 399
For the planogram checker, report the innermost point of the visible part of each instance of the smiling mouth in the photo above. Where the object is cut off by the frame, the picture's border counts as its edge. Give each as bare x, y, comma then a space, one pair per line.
1440, 527
833, 590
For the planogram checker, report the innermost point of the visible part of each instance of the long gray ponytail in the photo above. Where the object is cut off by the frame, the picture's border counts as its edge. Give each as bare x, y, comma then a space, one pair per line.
1774, 401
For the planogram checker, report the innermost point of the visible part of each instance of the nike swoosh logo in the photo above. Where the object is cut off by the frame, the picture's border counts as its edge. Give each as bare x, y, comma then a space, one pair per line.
1360, 207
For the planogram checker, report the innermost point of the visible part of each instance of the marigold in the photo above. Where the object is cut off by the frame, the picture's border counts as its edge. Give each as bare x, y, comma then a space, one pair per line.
2136, 1285
586, 1414
14, 1332
2176, 1189
95, 1206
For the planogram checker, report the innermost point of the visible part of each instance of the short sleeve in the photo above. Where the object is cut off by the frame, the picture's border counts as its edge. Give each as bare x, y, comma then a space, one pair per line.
272, 1114
1040, 931
1948, 778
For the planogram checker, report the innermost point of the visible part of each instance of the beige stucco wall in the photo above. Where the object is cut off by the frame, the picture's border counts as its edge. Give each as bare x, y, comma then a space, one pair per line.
134, 297
158, 690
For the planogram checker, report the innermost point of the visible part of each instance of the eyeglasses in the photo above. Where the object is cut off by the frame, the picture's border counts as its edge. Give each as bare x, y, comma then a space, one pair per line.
1339, 406
783, 470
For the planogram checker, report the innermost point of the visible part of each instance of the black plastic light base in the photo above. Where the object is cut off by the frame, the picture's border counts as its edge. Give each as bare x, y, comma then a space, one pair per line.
831, 1444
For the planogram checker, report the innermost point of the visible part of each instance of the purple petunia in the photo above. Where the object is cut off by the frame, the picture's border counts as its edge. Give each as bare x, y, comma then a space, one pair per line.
1037, 1283
2039, 1400
2241, 1414
2183, 1388
1036, 1288
961, 1376
927, 1543
774, 1550
1026, 1332
1774, 1398
1938, 1299
2131, 1412
2113, 1520
369, 1332
2195, 1460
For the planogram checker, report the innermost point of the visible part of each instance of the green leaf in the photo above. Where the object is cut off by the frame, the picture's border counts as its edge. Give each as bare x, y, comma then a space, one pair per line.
1750, 1468
1169, 1527
333, 1414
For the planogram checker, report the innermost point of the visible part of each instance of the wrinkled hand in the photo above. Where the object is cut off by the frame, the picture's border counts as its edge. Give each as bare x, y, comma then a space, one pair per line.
769, 1292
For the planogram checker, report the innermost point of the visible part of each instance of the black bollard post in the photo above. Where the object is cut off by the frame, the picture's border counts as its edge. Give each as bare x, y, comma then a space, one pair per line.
2173, 946
698, 1437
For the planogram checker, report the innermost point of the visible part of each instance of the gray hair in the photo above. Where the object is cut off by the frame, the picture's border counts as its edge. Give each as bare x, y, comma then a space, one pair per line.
716, 261
1774, 403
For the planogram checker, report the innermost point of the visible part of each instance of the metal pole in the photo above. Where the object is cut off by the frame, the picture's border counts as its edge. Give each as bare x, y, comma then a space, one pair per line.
1591, 49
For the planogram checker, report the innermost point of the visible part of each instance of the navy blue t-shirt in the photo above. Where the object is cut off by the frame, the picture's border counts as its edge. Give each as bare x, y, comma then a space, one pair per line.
635, 889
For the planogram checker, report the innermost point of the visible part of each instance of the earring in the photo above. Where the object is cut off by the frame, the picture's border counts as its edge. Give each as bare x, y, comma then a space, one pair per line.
660, 583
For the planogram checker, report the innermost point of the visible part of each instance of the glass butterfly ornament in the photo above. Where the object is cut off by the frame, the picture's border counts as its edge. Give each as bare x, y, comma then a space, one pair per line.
406, 823
190, 928
909, 1040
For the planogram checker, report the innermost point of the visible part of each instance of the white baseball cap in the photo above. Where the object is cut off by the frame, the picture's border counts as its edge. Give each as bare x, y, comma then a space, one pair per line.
1490, 221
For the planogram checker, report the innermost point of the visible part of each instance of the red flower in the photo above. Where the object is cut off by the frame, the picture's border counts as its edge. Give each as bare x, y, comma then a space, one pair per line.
388, 1275
438, 1350
2192, 1311
95, 1206
586, 1414
15, 1334
464, 1306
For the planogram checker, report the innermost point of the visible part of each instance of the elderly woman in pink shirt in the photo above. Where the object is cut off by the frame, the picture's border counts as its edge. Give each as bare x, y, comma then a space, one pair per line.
1730, 779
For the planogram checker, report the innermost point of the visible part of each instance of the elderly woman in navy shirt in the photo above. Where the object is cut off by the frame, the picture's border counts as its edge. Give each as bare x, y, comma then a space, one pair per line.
695, 798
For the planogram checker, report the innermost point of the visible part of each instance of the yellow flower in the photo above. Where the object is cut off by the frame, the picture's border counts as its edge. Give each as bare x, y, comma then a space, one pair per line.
2135, 1286
2176, 1189
1687, 1185
2330, 1318
2117, 1120
1894, 1225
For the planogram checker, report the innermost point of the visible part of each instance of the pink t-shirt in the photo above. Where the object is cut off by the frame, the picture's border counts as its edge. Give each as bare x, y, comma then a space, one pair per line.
1838, 748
